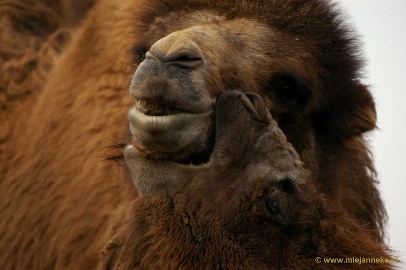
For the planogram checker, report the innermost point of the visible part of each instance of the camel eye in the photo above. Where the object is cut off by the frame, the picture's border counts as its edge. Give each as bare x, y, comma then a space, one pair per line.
278, 198
272, 205
288, 90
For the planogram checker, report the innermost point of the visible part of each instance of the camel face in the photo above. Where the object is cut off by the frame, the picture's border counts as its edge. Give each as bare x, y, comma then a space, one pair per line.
176, 85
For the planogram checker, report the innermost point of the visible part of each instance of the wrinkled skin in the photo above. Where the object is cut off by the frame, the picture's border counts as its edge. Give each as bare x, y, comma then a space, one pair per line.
252, 206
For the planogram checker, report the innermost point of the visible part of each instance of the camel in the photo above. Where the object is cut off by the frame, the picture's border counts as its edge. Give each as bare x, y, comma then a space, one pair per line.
76, 79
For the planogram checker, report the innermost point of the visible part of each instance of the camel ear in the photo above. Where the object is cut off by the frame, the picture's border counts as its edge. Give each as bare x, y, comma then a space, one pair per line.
350, 114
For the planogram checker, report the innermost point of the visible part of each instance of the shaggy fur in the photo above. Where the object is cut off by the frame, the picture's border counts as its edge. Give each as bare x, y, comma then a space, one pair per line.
57, 192
61, 204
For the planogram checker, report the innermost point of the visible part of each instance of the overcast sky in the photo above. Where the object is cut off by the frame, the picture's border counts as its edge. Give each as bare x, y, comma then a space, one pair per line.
382, 26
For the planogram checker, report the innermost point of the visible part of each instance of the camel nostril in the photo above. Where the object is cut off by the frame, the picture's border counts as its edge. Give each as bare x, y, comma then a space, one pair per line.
255, 105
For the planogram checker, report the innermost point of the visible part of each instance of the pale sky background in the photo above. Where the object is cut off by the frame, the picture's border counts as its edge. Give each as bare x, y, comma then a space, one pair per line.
382, 27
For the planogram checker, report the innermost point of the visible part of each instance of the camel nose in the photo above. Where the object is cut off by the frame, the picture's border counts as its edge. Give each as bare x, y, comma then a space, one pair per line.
176, 50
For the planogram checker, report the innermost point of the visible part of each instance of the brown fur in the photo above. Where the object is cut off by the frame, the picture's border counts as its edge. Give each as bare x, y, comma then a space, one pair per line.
160, 233
52, 214
58, 195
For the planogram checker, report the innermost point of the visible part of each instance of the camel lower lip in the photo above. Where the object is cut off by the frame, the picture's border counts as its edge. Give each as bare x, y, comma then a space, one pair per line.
162, 123
158, 122
170, 133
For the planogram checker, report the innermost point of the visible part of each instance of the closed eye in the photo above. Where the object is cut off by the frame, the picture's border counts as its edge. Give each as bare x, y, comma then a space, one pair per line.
289, 90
